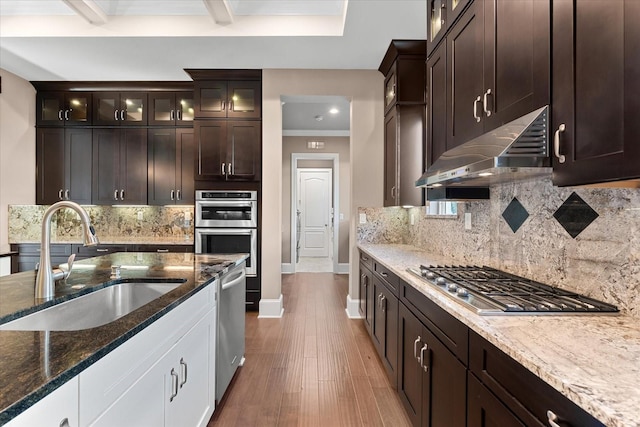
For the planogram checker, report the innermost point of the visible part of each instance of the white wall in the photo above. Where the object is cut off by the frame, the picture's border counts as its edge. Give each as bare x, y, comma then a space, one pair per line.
364, 89
17, 147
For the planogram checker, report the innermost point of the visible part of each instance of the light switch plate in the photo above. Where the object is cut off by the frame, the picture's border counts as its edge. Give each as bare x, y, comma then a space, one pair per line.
140, 216
363, 218
467, 221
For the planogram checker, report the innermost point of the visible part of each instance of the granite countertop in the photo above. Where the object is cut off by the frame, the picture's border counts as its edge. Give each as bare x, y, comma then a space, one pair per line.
594, 360
29, 369
116, 240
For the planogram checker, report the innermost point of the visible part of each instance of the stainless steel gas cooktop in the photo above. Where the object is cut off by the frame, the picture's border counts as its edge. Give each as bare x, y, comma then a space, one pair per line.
488, 291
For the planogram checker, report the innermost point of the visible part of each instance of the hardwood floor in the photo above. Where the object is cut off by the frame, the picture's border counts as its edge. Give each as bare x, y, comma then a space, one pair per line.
312, 367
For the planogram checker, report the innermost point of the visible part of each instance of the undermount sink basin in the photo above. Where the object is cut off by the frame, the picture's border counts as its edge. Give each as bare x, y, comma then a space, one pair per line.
93, 309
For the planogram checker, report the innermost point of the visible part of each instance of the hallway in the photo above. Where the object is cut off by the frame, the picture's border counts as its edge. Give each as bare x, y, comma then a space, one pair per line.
313, 367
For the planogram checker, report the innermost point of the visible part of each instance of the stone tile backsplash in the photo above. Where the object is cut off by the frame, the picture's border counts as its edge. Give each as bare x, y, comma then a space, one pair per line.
162, 224
603, 261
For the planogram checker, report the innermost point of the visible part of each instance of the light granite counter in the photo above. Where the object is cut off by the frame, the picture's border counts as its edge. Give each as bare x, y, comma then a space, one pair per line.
594, 360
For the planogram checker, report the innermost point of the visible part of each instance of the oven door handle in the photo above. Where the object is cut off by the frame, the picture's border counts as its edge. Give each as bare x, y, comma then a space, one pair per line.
225, 203
236, 280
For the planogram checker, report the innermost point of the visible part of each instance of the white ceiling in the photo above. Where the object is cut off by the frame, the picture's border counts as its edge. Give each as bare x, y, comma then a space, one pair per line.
155, 40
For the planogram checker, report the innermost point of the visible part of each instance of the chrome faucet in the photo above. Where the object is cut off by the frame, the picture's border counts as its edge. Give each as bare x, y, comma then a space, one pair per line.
46, 278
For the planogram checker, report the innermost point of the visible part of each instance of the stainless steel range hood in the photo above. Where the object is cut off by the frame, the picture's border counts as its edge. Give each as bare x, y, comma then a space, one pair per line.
517, 150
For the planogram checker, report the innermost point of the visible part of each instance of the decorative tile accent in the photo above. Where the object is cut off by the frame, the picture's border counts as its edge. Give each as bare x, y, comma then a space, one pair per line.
575, 215
515, 214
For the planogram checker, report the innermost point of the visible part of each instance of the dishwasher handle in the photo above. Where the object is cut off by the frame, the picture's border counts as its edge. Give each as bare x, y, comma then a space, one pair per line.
231, 282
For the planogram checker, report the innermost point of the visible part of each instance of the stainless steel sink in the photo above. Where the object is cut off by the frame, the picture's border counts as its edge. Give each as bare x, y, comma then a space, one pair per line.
93, 309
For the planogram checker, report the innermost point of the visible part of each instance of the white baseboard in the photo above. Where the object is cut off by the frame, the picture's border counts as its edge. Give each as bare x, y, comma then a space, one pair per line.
352, 309
343, 268
271, 308
286, 268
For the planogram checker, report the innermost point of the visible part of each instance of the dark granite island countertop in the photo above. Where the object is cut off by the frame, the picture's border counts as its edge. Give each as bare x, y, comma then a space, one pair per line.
30, 370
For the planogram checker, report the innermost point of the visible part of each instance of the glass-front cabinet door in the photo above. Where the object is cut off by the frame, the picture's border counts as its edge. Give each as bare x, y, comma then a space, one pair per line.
244, 99
120, 108
170, 108
63, 108
211, 99
441, 14
390, 89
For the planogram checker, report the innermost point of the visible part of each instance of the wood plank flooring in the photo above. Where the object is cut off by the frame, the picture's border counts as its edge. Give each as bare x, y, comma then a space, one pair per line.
312, 367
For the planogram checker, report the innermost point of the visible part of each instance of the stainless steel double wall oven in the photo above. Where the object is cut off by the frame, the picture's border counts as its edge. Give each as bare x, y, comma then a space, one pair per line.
227, 222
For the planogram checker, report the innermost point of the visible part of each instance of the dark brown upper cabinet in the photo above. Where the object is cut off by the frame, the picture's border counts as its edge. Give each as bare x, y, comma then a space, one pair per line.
228, 99
404, 123
171, 109
63, 108
437, 104
596, 82
119, 166
497, 70
441, 14
228, 150
171, 154
63, 165
120, 108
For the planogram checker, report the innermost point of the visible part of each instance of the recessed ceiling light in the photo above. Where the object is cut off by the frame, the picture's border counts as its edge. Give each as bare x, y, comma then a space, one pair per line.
334, 110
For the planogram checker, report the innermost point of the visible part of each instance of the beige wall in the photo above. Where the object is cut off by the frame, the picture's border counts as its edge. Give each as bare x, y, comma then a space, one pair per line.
298, 144
364, 89
17, 147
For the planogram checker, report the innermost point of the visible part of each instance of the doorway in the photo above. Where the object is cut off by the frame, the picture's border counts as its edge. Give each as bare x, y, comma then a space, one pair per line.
314, 201
314, 220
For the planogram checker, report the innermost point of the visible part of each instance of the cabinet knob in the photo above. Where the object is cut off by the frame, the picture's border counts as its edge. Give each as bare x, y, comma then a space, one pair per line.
556, 143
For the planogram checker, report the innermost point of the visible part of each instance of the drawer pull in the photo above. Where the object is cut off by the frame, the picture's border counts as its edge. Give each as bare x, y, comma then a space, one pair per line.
64, 423
383, 274
184, 372
102, 250
162, 251
552, 419
364, 258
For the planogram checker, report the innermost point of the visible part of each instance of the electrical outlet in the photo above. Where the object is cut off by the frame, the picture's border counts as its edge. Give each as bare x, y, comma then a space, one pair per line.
140, 215
412, 219
363, 218
467, 221
341, 217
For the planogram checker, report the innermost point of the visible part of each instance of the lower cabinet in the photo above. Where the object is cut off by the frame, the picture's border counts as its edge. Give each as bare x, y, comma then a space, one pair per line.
366, 295
384, 332
432, 382
486, 410
58, 409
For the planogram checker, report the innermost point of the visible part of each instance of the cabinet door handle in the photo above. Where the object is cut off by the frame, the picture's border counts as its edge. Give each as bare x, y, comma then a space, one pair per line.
174, 385
383, 302
173, 194
66, 115
415, 348
64, 423
425, 348
66, 194
362, 276
443, 7
552, 418
556, 143
179, 114
393, 192
384, 274
230, 105
223, 169
115, 194
60, 115
60, 194
172, 115
115, 115
121, 194
122, 115
485, 102
224, 104
178, 195
184, 371
475, 109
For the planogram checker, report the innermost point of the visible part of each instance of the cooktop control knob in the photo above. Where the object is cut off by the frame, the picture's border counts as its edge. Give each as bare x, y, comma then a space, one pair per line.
430, 275
452, 287
441, 281
462, 293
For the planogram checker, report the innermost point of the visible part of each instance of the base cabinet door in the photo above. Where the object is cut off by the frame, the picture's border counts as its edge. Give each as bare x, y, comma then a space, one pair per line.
58, 409
431, 380
485, 410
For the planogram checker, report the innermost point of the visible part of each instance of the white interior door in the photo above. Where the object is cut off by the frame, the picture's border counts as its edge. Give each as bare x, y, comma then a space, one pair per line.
314, 203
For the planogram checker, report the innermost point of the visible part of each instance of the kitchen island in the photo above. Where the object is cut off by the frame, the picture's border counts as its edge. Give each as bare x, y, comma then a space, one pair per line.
33, 364
593, 360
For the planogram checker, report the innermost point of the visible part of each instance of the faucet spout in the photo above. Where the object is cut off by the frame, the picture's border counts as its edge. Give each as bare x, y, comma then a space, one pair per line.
46, 278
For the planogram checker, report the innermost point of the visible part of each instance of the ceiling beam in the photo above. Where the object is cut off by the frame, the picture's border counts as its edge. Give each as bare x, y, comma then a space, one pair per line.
89, 10
220, 11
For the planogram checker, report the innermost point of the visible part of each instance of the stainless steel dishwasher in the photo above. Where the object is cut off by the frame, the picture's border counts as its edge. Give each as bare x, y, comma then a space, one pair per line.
230, 341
